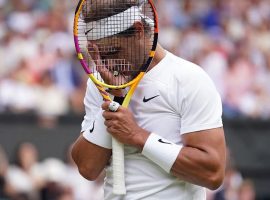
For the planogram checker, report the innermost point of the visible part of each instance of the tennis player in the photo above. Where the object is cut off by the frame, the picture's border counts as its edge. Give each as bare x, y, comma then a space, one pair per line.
172, 131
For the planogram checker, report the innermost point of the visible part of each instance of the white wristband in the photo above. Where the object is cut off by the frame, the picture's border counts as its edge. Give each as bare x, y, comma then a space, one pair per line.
161, 151
97, 133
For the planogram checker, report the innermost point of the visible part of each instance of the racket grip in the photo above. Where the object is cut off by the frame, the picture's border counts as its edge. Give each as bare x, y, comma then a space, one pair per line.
119, 187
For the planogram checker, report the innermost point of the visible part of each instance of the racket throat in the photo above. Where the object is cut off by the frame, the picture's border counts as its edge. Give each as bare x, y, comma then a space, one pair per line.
119, 100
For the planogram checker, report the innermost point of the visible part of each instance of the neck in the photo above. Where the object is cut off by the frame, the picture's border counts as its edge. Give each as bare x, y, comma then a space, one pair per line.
159, 55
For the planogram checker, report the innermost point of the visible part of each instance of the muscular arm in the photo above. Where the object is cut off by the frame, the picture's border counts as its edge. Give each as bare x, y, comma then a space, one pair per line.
90, 158
202, 159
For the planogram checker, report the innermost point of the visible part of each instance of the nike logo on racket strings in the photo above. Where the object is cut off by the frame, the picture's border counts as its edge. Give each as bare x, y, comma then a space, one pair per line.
149, 99
102, 23
161, 141
86, 32
92, 129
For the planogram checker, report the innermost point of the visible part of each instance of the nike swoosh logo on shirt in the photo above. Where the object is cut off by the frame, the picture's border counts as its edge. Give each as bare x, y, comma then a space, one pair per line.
149, 99
161, 141
92, 129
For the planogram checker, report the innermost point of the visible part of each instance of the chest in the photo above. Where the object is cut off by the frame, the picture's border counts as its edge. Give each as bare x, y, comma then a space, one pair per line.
155, 109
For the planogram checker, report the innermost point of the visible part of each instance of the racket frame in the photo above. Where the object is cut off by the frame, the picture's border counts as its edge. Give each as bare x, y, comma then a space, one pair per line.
117, 147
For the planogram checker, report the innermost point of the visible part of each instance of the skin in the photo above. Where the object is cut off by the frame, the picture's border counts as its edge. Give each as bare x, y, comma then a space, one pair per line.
201, 161
117, 52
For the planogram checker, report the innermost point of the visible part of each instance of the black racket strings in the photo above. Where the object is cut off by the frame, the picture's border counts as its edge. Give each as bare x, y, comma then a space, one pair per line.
112, 62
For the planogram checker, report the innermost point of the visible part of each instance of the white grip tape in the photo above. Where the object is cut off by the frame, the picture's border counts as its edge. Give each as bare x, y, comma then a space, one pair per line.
118, 168
161, 151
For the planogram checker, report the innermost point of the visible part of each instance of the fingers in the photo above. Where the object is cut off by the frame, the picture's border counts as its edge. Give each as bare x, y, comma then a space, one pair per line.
105, 105
109, 115
111, 123
109, 69
94, 52
110, 72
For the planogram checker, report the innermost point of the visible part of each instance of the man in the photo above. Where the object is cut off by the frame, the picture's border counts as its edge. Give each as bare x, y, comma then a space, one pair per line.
172, 130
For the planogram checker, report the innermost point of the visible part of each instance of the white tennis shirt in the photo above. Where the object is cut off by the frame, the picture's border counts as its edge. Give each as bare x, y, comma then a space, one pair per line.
176, 97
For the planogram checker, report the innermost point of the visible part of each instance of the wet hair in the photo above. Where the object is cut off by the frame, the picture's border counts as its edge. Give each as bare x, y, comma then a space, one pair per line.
132, 30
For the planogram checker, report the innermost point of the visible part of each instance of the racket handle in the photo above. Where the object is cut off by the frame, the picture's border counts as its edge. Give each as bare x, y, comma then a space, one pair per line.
119, 187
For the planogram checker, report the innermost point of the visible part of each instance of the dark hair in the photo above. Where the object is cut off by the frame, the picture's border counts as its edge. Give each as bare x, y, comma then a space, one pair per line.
95, 10
132, 30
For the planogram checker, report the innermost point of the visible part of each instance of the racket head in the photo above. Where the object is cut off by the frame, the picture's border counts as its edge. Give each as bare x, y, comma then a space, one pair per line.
115, 40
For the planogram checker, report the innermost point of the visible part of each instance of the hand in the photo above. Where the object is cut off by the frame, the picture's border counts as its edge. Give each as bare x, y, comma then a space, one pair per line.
108, 69
123, 127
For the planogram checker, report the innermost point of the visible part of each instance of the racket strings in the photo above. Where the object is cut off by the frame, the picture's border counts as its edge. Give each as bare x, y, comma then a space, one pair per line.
113, 71
116, 59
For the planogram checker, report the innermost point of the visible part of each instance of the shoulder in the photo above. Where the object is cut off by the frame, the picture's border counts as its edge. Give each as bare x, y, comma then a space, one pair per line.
187, 74
177, 75
92, 95
90, 83
185, 69
198, 100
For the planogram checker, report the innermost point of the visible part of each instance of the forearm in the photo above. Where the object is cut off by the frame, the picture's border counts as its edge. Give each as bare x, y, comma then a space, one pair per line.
200, 160
199, 167
90, 158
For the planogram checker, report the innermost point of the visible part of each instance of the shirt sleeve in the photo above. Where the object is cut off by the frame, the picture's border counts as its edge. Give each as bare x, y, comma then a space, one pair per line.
201, 106
98, 134
92, 104
93, 127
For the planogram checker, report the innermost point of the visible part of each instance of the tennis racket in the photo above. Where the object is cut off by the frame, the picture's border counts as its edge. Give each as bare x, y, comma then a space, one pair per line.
115, 41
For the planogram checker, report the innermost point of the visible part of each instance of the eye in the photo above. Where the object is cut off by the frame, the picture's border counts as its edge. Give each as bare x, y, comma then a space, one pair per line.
109, 50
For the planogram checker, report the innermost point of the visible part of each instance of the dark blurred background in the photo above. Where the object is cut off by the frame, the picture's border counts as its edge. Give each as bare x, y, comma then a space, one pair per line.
42, 87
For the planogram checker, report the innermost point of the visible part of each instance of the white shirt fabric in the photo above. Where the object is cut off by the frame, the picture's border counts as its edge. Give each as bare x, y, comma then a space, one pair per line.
186, 100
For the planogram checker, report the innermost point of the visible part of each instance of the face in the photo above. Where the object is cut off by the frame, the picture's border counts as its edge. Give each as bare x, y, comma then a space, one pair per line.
122, 53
